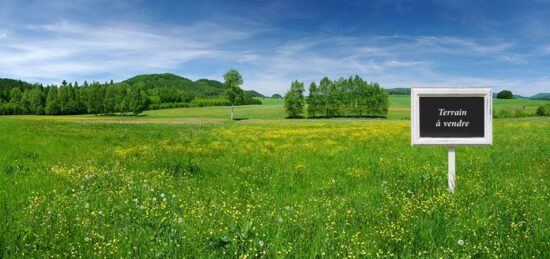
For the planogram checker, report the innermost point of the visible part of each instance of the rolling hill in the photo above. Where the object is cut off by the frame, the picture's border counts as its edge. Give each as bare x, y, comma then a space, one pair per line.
541, 96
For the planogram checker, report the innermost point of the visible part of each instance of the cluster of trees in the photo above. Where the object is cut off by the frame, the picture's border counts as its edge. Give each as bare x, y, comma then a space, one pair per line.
505, 94
134, 95
351, 97
69, 98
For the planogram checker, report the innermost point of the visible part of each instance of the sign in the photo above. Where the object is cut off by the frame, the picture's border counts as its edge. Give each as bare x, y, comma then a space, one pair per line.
451, 116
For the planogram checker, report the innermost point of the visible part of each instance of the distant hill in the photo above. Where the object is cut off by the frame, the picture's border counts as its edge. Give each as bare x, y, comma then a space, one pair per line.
399, 91
541, 96
201, 87
7, 84
253, 93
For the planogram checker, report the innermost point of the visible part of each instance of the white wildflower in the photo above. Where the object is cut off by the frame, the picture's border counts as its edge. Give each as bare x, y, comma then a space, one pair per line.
461, 242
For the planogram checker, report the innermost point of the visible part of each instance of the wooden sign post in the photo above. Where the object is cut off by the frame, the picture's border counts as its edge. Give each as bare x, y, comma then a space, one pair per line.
451, 117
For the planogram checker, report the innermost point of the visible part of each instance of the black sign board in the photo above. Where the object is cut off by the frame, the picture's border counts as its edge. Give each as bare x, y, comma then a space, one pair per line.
452, 117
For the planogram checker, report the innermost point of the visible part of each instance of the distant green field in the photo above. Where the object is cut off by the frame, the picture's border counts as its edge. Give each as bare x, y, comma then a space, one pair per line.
273, 109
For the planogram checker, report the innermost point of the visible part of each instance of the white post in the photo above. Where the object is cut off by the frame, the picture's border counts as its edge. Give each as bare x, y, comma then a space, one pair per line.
232, 112
451, 169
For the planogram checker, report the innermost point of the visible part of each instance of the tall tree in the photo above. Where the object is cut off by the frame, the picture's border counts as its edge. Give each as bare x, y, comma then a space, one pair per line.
52, 104
233, 91
138, 98
294, 100
313, 100
36, 101
109, 102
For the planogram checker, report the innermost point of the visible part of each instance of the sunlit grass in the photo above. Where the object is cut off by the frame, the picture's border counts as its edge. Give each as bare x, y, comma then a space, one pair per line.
300, 188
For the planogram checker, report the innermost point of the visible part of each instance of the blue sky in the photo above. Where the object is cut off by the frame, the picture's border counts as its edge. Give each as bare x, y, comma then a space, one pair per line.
444, 43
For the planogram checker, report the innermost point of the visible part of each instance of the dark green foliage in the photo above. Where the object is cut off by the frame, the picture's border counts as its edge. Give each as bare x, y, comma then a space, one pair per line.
36, 101
277, 96
11, 108
157, 91
6, 85
15, 95
252, 93
352, 97
543, 110
505, 94
173, 88
294, 100
138, 99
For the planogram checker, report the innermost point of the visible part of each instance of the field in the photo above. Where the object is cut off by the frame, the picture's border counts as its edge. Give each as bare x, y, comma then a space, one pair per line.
190, 183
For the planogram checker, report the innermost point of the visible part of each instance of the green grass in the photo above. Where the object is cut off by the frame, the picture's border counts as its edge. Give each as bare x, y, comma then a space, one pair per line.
296, 188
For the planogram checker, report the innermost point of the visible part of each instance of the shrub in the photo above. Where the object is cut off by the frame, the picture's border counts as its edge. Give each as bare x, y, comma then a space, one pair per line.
505, 94
543, 110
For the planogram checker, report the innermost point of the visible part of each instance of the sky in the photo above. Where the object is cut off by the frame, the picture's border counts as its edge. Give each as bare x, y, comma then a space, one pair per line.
397, 43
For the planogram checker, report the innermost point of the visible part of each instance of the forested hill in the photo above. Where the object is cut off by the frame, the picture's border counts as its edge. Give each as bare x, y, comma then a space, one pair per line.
200, 88
142, 92
7, 84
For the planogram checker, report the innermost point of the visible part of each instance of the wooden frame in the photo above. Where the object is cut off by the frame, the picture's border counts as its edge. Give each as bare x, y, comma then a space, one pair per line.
486, 93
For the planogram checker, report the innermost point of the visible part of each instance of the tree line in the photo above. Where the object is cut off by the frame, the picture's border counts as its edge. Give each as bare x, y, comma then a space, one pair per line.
128, 97
69, 98
345, 97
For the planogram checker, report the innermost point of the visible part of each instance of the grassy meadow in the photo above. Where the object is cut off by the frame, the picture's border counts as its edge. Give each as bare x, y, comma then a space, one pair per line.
189, 183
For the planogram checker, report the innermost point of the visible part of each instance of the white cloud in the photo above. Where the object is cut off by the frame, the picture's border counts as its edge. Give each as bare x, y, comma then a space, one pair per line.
74, 50
394, 61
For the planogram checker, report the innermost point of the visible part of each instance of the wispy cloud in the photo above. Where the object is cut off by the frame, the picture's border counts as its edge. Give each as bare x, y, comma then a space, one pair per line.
68, 49
71, 50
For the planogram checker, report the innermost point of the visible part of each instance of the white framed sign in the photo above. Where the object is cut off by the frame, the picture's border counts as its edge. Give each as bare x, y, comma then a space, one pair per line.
451, 116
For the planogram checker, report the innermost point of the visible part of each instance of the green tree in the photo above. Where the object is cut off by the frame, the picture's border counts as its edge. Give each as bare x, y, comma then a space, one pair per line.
36, 101
25, 102
294, 100
138, 98
327, 96
52, 104
15, 95
122, 98
109, 102
505, 94
313, 100
232, 84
